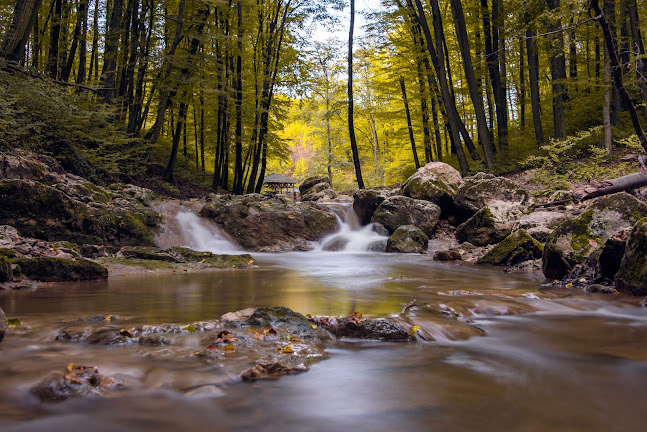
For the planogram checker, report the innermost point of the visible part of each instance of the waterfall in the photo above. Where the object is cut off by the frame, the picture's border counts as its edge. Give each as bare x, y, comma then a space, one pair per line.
182, 227
351, 237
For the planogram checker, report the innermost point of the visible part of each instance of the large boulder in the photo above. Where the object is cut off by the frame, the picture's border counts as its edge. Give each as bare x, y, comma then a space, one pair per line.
407, 239
481, 190
396, 211
631, 277
436, 182
76, 211
514, 249
488, 226
319, 192
260, 224
574, 240
4, 324
59, 269
311, 181
366, 201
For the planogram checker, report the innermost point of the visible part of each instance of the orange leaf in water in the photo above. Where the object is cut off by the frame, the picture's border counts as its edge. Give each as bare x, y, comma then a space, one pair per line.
288, 349
125, 332
294, 339
229, 347
70, 367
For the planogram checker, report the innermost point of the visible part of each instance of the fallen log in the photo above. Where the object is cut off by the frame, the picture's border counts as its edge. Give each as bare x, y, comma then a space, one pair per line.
606, 187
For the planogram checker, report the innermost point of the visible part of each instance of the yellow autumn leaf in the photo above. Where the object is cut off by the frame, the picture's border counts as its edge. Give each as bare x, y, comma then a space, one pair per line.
229, 347
414, 329
70, 367
314, 326
288, 349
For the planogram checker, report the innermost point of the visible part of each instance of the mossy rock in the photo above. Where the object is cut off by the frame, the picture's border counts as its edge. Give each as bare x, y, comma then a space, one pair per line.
6, 273
631, 277
517, 247
7, 253
436, 182
574, 240
484, 228
146, 253
366, 201
478, 191
58, 269
311, 181
396, 211
228, 261
407, 239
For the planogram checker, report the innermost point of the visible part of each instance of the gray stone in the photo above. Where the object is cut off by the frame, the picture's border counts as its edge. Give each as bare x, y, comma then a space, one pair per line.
399, 210
407, 239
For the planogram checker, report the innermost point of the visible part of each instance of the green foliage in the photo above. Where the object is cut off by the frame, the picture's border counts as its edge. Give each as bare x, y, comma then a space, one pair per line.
79, 132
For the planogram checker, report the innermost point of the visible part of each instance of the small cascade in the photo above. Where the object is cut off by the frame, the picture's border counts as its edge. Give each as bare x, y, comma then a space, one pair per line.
351, 237
182, 227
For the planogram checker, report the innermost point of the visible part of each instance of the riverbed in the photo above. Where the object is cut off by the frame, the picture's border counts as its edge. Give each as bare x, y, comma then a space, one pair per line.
577, 363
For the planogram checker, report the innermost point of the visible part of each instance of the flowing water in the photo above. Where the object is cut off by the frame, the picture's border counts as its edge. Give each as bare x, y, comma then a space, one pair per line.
578, 362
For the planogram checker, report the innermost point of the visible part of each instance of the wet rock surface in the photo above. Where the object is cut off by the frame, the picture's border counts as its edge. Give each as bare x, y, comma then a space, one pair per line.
366, 201
447, 255
514, 249
484, 190
76, 381
3, 324
488, 226
261, 224
357, 327
59, 269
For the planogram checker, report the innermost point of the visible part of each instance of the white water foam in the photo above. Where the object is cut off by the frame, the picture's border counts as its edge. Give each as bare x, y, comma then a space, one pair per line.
351, 237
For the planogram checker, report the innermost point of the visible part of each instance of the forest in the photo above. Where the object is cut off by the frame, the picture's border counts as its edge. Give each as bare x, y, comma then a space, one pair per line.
221, 93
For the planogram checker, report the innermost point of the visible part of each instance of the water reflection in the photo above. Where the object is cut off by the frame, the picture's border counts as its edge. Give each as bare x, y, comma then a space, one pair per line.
577, 364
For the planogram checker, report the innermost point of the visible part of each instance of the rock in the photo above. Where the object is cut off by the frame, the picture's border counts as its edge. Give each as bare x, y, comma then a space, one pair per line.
147, 253
380, 229
539, 224
611, 257
272, 369
153, 340
57, 269
73, 212
6, 273
311, 181
488, 226
514, 249
399, 210
575, 239
478, 191
447, 255
209, 260
4, 324
366, 201
319, 192
407, 239
373, 329
597, 288
284, 318
261, 224
238, 316
631, 277
436, 182
77, 381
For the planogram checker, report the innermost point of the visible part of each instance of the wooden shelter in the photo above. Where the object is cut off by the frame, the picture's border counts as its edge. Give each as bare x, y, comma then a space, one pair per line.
278, 182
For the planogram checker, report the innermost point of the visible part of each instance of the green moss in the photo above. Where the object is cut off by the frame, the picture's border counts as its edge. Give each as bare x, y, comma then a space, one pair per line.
517, 247
632, 275
58, 269
146, 264
8, 253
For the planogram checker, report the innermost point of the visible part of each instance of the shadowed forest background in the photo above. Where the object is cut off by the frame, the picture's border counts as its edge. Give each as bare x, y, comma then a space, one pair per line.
191, 95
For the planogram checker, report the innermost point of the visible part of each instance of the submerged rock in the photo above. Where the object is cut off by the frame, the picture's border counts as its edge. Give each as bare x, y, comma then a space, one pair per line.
407, 239
436, 182
59, 269
447, 255
482, 190
261, 224
631, 277
399, 210
514, 249
285, 318
356, 327
77, 381
574, 240
274, 368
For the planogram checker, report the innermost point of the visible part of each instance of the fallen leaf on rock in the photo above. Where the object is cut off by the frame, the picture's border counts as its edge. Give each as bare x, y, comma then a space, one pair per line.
125, 332
190, 328
13, 322
414, 329
229, 347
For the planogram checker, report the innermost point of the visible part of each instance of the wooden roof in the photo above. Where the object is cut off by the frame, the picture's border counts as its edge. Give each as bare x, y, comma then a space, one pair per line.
278, 178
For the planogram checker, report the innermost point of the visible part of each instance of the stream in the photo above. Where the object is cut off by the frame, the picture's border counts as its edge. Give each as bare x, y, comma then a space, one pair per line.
578, 362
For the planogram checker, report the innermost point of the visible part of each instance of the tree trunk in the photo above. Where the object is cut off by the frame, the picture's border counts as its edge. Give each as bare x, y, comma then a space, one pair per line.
83, 50
606, 107
351, 125
81, 15
485, 136
94, 56
238, 171
24, 16
108, 73
54, 33
533, 75
617, 72
522, 86
409, 125
638, 45
558, 72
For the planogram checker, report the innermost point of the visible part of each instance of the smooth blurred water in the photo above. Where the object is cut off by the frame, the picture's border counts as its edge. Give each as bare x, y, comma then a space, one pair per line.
579, 363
